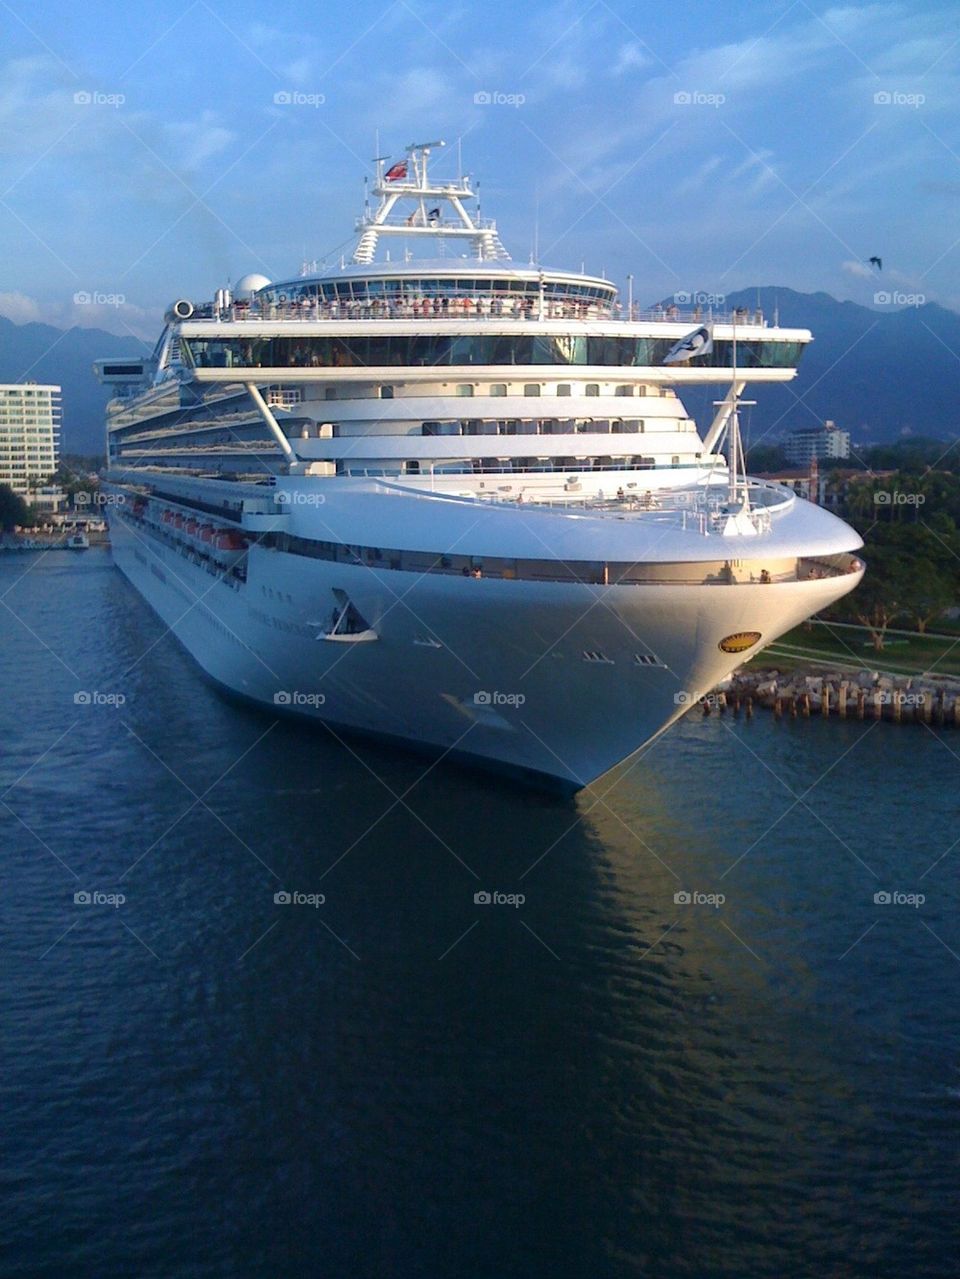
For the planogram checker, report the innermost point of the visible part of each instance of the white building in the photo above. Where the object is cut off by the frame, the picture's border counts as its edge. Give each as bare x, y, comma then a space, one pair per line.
818, 443
30, 441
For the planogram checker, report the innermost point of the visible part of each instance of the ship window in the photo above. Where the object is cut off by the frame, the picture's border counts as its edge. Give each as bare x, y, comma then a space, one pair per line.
465, 390
624, 390
593, 388
498, 388
531, 388
331, 393
564, 388
386, 392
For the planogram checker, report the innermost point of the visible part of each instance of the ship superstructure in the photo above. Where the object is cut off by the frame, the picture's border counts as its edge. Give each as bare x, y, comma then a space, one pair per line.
457, 501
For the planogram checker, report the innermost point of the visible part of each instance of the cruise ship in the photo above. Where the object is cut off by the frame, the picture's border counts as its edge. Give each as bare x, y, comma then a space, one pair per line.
455, 501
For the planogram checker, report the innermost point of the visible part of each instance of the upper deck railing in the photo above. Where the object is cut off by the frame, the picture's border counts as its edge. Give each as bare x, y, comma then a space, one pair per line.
468, 307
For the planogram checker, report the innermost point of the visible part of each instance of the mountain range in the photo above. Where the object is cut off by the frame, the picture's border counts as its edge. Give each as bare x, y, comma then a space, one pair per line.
878, 373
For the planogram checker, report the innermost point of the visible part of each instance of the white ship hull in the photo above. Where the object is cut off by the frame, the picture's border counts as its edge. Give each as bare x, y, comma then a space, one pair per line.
540, 680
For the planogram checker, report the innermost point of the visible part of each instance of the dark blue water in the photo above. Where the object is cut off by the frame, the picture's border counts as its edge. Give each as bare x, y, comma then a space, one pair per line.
599, 1082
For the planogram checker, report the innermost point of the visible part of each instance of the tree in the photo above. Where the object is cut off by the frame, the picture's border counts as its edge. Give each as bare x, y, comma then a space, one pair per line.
13, 510
876, 602
927, 591
766, 458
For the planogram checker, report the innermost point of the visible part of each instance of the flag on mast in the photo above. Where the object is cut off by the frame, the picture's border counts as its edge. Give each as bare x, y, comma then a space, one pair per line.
397, 172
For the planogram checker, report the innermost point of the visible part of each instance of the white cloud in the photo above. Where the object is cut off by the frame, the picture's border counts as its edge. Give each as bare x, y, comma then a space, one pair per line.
859, 269
125, 319
19, 308
630, 57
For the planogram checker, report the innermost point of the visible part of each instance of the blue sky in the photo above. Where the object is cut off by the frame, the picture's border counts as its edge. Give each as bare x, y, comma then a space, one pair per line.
143, 154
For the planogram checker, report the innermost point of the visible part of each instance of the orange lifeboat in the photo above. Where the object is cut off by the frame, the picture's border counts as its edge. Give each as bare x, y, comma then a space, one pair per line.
228, 540
206, 533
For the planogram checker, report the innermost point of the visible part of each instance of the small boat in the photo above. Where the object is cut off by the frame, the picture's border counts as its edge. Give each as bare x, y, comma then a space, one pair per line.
78, 542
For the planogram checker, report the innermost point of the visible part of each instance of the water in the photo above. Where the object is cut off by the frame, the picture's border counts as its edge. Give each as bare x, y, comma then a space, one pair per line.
599, 1082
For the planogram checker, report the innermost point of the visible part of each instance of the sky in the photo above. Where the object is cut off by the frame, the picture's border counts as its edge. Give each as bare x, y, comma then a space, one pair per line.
150, 152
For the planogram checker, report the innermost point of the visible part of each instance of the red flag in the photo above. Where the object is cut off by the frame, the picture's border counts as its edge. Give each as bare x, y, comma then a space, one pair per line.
398, 171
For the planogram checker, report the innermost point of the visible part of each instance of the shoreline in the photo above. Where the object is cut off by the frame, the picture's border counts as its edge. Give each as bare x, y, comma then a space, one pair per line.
824, 690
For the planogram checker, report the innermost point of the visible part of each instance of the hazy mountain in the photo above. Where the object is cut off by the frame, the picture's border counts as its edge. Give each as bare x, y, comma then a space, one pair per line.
42, 353
878, 373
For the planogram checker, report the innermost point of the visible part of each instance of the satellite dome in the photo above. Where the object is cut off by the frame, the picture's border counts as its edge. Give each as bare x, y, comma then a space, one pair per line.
248, 284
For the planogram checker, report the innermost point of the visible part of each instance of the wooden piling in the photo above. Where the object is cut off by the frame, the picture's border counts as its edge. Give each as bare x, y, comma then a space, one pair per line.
824, 699
749, 708
842, 699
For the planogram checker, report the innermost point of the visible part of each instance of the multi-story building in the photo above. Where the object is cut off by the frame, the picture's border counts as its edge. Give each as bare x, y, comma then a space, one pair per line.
30, 441
817, 444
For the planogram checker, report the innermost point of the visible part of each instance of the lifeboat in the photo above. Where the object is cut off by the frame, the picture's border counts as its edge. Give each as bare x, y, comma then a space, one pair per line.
167, 517
192, 527
227, 539
206, 533
178, 521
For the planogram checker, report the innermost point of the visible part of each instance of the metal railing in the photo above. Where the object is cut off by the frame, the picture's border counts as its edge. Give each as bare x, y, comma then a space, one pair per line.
467, 307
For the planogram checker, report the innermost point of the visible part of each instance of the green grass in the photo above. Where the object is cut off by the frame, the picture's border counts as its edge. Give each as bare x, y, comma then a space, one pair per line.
817, 646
